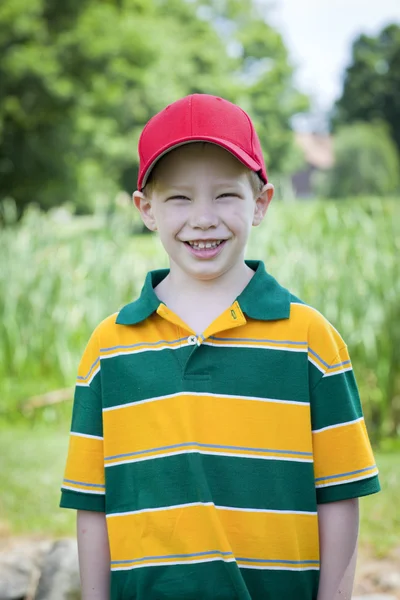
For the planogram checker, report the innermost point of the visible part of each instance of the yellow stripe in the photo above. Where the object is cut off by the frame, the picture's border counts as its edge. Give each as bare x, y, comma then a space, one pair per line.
293, 329
196, 529
322, 337
207, 420
87, 364
141, 347
85, 461
342, 450
152, 330
354, 476
71, 485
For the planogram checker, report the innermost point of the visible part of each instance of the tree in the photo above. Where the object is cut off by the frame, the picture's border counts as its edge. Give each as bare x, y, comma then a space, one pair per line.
79, 79
372, 82
366, 163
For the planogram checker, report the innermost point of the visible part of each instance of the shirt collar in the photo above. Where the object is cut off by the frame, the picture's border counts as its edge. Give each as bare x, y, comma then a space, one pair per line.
262, 299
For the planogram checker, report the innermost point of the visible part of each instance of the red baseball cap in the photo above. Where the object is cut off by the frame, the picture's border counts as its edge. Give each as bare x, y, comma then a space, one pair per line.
200, 118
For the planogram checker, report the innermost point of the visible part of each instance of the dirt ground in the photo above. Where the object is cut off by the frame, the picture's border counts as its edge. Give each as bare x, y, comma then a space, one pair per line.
378, 575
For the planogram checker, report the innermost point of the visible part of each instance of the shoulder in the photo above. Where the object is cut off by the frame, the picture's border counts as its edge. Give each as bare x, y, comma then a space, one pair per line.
105, 332
324, 340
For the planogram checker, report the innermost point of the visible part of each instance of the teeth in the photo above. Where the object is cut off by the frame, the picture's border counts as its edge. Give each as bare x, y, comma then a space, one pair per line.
207, 245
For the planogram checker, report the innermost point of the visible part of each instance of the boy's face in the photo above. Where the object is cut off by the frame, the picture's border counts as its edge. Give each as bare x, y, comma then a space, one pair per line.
203, 206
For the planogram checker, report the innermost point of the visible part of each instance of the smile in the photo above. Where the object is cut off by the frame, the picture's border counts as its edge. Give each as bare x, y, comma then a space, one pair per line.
206, 244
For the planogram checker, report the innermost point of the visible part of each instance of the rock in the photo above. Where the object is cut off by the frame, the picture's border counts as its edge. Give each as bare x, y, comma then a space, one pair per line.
20, 569
59, 579
389, 581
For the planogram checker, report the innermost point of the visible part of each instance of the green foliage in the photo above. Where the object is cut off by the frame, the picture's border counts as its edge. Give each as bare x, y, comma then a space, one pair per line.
61, 275
366, 163
80, 79
372, 82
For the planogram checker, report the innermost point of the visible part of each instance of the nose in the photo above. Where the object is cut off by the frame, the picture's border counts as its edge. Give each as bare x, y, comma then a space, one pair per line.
203, 214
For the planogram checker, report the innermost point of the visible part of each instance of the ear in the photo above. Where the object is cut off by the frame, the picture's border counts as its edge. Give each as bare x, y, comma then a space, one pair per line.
143, 204
262, 203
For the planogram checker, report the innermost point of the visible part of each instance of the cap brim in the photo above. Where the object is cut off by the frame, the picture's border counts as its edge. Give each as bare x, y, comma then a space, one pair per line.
237, 152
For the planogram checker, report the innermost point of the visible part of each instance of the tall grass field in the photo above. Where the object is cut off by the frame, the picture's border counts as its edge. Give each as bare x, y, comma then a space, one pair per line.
61, 275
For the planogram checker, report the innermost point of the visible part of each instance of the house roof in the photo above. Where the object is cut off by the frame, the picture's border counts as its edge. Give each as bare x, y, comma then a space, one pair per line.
317, 149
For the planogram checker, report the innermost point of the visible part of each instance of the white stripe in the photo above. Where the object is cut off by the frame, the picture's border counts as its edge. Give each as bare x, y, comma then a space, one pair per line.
316, 365
148, 510
89, 381
190, 504
207, 395
327, 374
206, 560
86, 435
268, 511
140, 350
270, 568
231, 454
67, 487
371, 474
338, 425
259, 346
171, 563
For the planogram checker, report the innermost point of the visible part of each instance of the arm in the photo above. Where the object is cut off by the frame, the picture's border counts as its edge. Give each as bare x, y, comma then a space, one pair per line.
94, 555
338, 531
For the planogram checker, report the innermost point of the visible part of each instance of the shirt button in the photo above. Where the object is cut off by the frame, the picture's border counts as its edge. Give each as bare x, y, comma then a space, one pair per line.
192, 339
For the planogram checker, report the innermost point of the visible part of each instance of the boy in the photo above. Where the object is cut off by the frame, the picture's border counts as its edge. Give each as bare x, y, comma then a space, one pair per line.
217, 446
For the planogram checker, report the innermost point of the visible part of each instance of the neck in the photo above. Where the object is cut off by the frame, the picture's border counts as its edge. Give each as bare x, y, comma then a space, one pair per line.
224, 288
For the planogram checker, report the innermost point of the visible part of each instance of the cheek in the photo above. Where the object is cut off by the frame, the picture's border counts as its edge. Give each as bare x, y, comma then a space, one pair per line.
170, 219
241, 219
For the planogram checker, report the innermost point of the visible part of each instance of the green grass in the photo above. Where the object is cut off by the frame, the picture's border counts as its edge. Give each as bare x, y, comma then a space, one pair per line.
380, 516
31, 469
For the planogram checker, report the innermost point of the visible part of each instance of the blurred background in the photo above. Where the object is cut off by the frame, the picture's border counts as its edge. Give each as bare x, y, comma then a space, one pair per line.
78, 81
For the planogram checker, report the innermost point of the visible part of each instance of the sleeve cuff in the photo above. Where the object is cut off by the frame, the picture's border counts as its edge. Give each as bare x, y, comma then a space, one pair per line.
356, 489
82, 501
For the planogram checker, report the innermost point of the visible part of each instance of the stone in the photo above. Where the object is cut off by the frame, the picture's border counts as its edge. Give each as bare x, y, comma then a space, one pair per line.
20, 569
389, 581
59, 579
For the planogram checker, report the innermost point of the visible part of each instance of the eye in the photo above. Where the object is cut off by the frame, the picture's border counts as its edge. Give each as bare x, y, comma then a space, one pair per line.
229, 195
178, 198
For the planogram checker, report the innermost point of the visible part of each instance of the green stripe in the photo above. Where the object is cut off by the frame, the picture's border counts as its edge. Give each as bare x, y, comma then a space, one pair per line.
356, 489
281, 375
82, 501
281, 585
335, 400
86, 414
226, 481
212, 581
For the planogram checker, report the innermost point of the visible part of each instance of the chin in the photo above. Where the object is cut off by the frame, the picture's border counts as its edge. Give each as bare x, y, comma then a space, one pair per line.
206, 272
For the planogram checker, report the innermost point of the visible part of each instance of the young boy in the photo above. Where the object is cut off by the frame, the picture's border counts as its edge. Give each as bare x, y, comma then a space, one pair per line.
217, 446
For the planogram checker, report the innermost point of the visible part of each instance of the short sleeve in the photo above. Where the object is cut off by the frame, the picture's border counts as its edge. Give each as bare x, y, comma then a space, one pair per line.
83, 487
344, 465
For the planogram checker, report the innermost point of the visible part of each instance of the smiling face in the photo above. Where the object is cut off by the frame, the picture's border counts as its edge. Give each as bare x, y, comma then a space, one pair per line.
203, 205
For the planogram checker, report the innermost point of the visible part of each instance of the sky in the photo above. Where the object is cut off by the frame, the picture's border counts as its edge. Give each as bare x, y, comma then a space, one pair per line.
319, 35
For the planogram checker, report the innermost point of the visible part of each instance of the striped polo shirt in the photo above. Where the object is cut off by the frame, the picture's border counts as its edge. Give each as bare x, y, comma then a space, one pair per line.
209, 453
